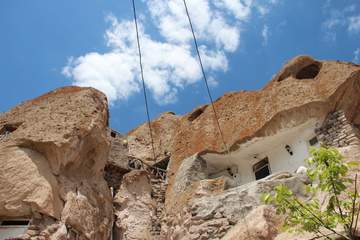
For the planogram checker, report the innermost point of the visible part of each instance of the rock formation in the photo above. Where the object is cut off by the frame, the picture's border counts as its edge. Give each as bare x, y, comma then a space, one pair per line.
303, 93
134, 207
53, 152
57, 149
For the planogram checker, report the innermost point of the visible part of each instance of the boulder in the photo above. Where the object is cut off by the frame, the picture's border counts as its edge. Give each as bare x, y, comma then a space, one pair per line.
192, 170
261, 223
134, 207
53, 152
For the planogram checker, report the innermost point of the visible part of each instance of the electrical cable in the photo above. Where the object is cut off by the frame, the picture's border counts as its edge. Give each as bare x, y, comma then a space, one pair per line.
205, 79
208, 90
142, 79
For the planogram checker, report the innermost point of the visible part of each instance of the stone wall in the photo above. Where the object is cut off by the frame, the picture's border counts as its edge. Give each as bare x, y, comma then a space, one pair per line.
208, 216
338, 131
119, 150
159, 187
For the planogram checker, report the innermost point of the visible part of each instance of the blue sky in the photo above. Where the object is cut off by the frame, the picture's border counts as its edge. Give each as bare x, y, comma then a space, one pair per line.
46, 44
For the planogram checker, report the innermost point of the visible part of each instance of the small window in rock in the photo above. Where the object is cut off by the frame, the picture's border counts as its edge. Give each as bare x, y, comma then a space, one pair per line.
313, 141
308, 72
14, 223
261, 169
7, 129
195, 115
113, 134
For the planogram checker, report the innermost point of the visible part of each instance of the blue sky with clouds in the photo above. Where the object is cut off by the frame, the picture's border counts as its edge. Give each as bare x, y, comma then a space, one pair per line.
243, 43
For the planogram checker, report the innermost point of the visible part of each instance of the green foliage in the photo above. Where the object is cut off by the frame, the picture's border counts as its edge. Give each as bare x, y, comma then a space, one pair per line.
329, 174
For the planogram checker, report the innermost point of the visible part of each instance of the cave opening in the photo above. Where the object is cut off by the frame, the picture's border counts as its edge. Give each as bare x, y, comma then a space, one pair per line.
308, 72
195, 115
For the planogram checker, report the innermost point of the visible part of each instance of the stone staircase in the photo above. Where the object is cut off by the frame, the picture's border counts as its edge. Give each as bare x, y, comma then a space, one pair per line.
158, 194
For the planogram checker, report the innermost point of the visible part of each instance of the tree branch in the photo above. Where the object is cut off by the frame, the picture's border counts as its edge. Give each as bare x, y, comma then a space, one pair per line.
319, 220
353, 207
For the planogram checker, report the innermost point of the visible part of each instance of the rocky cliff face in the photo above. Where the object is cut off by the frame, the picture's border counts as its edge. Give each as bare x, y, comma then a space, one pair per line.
53, 152
304, 89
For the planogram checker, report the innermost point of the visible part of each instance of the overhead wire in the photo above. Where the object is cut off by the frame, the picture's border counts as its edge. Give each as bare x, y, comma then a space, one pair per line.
142, 79
212, 103
204, 76
205, 79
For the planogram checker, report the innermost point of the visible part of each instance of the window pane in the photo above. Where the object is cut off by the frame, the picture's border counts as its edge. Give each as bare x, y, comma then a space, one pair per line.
263, 172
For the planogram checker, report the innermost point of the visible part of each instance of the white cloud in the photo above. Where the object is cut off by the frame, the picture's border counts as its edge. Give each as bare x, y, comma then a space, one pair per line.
354, 24
356, 56
170, 62
265, 33
67, 70
339, 18
209, 24
170, 18
111, 73
334, 22
241, 11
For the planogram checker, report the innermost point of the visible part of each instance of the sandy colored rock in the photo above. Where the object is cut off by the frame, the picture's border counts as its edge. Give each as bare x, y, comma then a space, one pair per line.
191, 171
262, 224
303, 89
134, 207
166, 124
53, 152
54, 149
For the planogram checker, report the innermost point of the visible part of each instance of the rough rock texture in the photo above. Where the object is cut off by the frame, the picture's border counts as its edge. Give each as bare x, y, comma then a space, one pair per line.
192, 170
303, 89
165, 124
212, 215
53, 152
262, 224
119, 151
134, 207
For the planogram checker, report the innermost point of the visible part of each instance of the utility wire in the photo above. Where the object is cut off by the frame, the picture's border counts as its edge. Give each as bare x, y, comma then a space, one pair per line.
142, 79
212, 103
205, 79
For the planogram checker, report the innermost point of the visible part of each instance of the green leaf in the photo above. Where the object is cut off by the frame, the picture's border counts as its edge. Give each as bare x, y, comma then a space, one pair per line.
329, 173
352, 164
279, 187
268, 200
264, 196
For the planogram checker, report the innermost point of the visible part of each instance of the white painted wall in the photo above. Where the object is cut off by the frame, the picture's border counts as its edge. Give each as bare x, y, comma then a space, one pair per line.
272, 147
11, 231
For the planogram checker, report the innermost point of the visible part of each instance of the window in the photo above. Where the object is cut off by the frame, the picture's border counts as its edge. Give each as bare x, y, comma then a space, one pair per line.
13, 228
313, 141
113, 134
261, 169
15, 223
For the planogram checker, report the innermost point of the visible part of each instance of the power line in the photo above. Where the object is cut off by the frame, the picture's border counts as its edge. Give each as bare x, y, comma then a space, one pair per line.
212, 103
205, 79
142, 79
